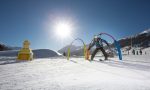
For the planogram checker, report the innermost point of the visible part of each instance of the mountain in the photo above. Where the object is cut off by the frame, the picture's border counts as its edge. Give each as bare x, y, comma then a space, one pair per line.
65, 49
4, 47
139, 40
15, 48
37, 53
44, 53
74, 50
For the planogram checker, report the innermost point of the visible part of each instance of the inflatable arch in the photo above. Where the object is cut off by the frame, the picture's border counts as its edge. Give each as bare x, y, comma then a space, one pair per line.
117, 45
84, 50
104, 41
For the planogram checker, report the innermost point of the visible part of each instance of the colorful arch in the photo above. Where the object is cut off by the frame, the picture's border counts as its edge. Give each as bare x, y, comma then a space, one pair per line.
104, 41
117, 45
84, 50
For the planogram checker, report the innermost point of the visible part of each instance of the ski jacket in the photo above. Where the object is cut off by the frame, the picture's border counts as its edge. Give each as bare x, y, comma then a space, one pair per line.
98, 43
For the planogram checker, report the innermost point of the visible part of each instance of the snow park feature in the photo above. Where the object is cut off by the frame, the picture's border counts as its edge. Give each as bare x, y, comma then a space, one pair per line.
49, 71
87, 55
69, 49
117, 45
103, 45
98, 42
25, 53
86, 52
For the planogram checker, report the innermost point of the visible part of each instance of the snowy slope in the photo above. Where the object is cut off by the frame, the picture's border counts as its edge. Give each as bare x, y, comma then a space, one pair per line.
147, 50
44, 53
133, 73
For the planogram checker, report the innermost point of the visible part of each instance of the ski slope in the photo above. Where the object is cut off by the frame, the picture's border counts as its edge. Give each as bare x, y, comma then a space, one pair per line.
133, 73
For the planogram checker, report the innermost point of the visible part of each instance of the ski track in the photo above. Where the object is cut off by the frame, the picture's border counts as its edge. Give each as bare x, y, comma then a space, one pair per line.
132, 73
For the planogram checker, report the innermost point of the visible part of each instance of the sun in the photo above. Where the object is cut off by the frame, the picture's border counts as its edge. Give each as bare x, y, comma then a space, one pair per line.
63, 29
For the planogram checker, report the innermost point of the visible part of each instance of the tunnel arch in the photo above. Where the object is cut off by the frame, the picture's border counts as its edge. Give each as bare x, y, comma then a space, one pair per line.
84, 47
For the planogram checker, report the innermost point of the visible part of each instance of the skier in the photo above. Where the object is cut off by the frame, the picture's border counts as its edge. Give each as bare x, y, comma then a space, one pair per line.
133, 52
145, 52
137, 53
97, 41
140, 52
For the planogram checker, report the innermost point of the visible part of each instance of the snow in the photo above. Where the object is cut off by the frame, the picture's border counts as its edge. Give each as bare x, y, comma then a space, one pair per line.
147, 50
146, 31
132, 73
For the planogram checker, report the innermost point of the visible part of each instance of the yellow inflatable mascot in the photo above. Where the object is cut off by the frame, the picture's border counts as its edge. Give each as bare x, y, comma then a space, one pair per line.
25, 53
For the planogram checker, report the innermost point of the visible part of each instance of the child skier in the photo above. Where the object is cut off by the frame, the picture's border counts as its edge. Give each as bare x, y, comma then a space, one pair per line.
97, 41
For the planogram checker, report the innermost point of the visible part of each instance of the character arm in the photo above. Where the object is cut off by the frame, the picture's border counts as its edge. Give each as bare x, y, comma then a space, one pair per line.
105, 42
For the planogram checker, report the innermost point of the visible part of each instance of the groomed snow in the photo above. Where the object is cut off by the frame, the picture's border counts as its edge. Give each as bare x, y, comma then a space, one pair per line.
133, 73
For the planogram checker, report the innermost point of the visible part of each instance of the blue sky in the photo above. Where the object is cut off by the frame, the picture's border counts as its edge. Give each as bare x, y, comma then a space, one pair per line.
33, 20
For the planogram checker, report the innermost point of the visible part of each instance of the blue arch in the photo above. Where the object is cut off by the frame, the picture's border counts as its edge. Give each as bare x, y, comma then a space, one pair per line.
117, 45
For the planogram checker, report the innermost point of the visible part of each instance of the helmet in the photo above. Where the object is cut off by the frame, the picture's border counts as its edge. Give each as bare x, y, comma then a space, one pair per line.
95, 36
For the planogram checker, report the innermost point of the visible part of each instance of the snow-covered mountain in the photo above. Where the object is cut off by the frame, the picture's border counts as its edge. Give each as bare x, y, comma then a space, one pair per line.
38, 53
44, 53
139, 40
65, 49
75, 50
146, 32
4, 47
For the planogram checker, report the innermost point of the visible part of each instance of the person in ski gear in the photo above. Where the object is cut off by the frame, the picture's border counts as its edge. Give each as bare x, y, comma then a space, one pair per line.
98, 42
140, 52
137, 53
133, 52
